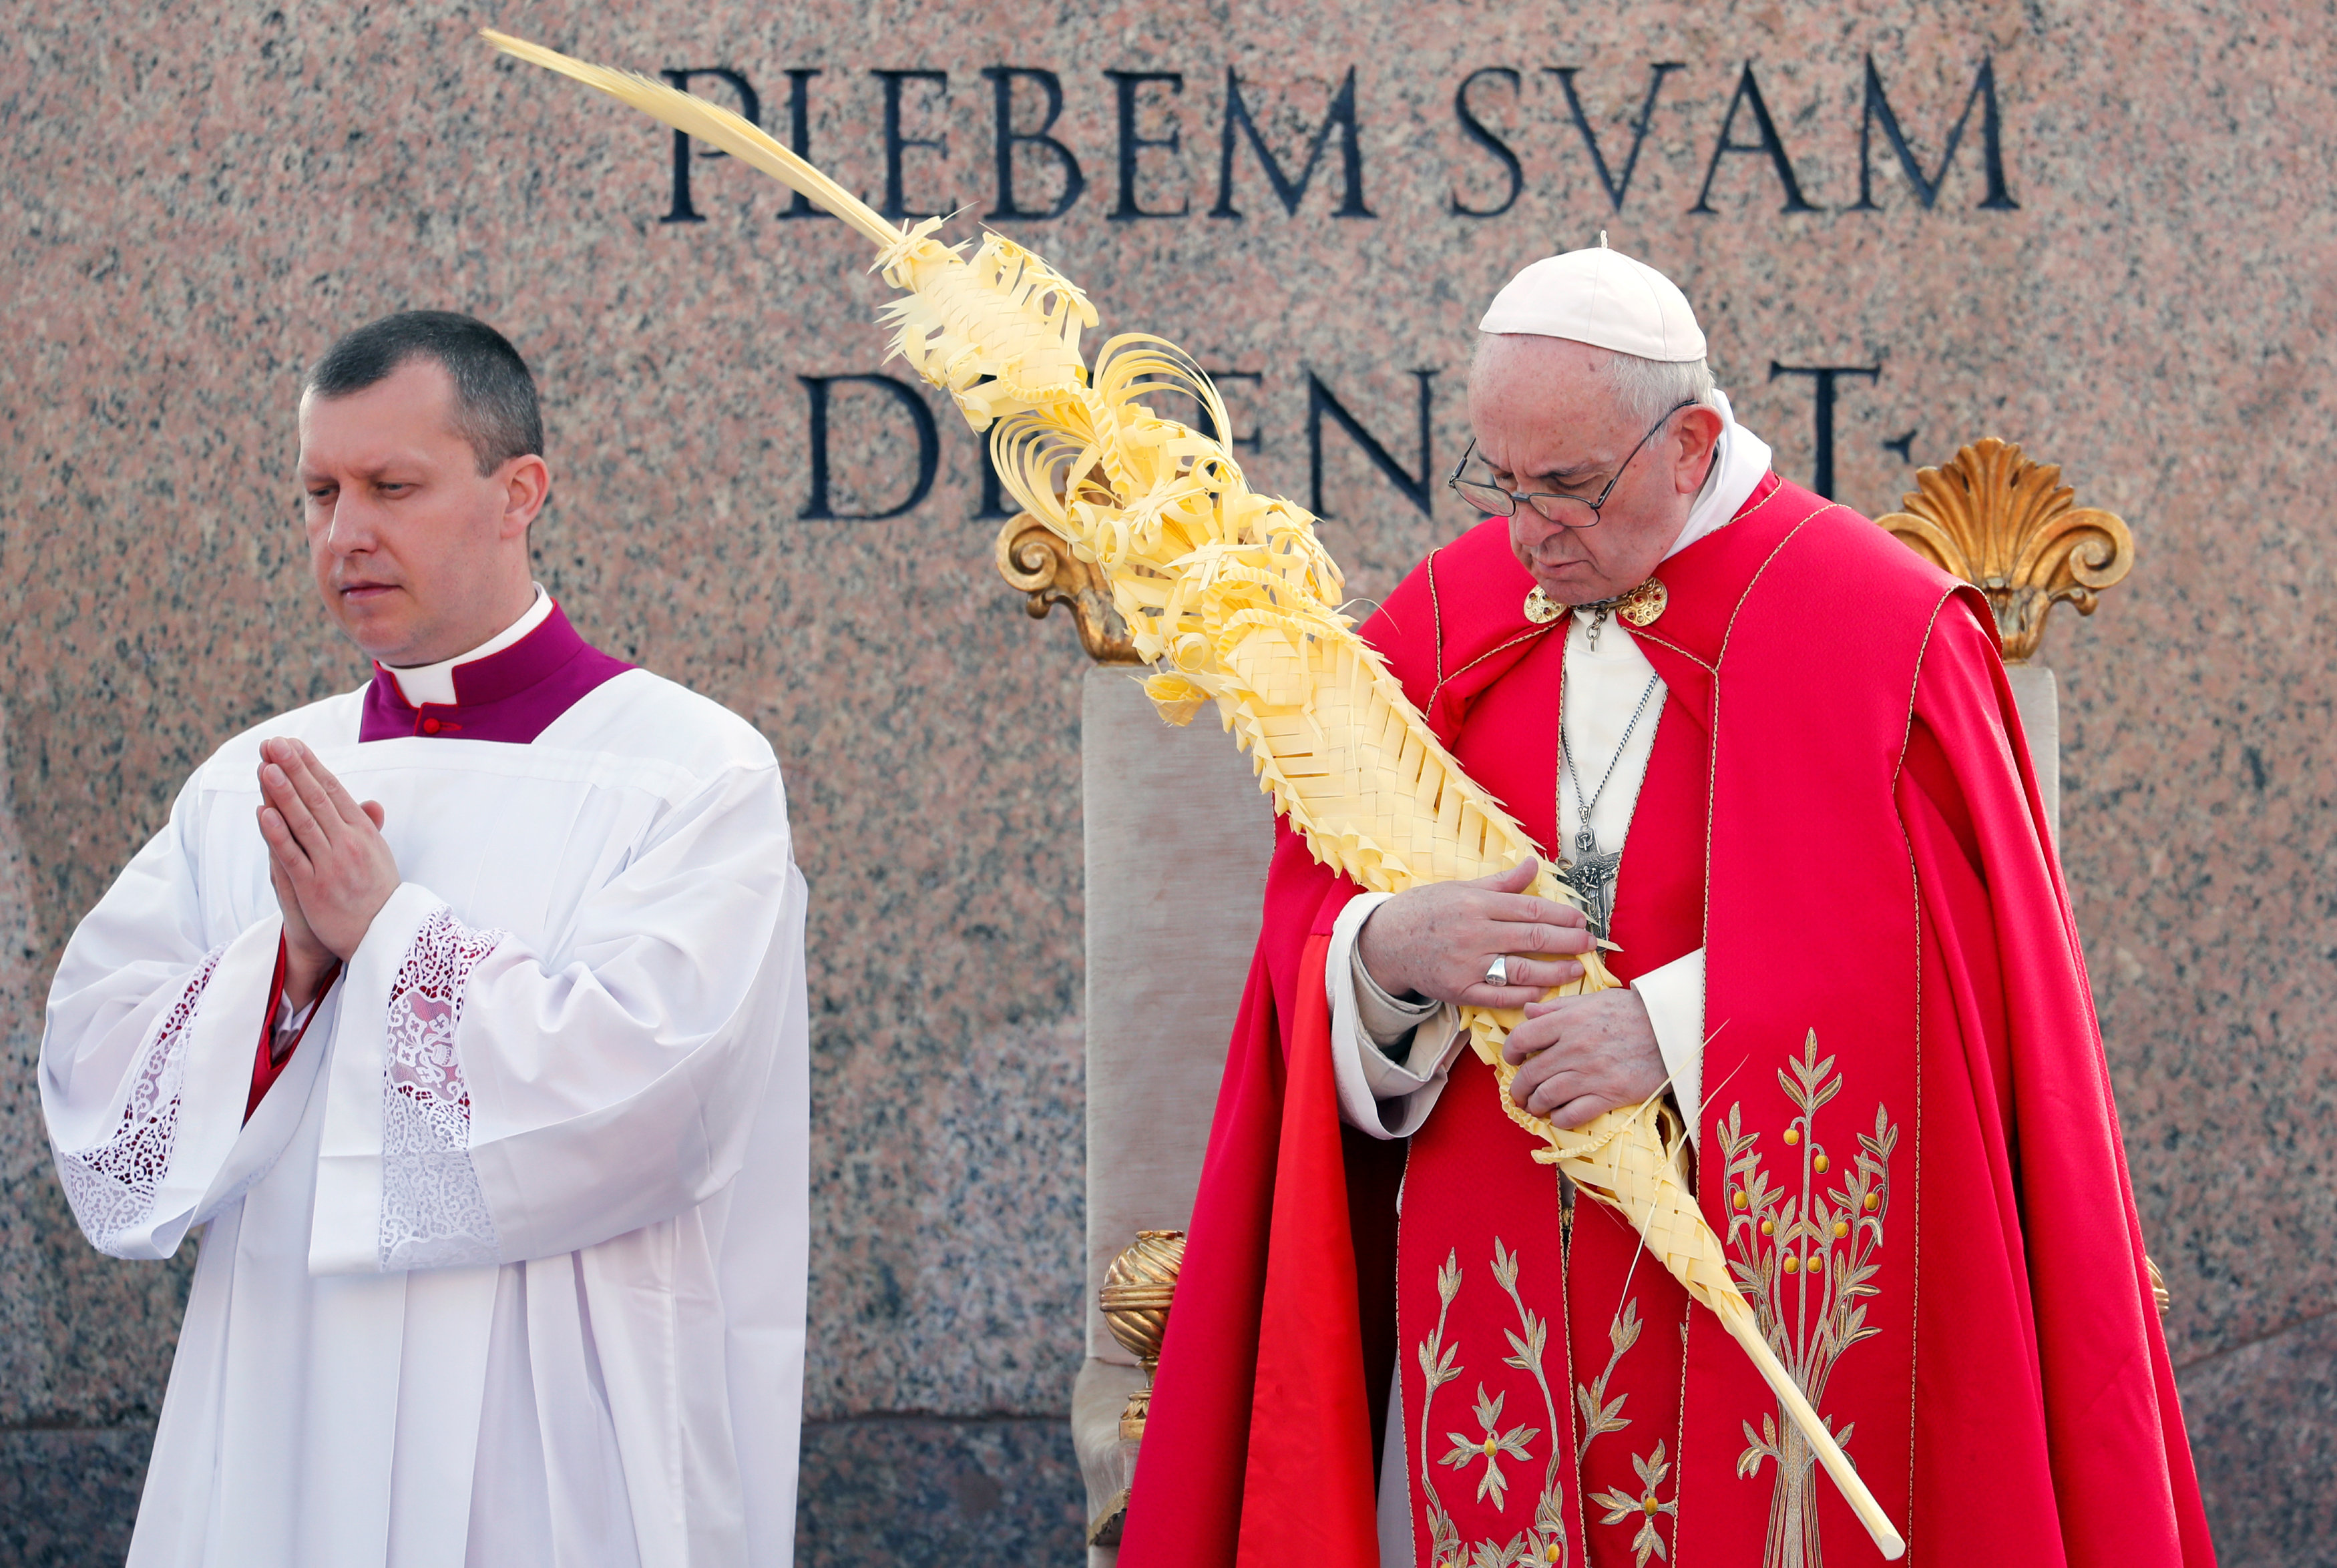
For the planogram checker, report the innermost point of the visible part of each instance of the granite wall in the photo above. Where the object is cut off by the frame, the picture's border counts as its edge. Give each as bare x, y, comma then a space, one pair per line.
2104, 231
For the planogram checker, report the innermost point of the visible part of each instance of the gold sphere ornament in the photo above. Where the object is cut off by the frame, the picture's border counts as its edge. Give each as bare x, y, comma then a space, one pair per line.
1137, 1291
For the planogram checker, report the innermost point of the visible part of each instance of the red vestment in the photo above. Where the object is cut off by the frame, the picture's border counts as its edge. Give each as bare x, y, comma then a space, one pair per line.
1907, 1140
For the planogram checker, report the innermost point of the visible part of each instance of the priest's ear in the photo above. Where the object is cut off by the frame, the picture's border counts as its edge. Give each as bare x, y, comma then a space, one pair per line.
1693, 436
526, 482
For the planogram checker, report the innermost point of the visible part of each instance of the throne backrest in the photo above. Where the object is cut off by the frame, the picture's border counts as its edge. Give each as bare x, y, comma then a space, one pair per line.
1177, 839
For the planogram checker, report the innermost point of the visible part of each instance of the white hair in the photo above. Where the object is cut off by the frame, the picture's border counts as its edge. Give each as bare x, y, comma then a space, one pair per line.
1649, 388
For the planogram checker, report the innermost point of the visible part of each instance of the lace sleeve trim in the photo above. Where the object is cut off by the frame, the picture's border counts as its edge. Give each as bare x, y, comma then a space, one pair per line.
434, 1213
112, 1186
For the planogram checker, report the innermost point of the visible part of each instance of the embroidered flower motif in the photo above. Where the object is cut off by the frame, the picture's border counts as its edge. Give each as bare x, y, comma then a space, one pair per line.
1543, 1540
1490, 1446
1647, 1507
1437, 1367
1488, 1555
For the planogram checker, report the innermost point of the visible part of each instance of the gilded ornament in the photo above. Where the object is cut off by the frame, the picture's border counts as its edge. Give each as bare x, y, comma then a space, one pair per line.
1640, 606
2009, 527
1039, 561
1644, 603
1138, 1290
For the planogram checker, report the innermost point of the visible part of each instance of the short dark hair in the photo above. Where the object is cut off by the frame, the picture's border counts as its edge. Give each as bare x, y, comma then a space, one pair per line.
495, 396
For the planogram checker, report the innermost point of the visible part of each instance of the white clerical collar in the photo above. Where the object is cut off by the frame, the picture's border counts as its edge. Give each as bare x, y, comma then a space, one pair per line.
1738, 463
433, 685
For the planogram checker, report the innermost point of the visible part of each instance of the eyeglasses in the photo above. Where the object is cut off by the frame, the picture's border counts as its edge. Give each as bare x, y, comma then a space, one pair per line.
1566, 511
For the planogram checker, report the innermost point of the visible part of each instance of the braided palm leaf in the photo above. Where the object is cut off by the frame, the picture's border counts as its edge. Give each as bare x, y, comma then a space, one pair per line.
1233, 599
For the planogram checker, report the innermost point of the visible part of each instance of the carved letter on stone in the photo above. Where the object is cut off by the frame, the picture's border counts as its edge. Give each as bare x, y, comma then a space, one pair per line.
1482, 135
1132, 145
1619, 188
1291, 192
1748, 92
897, 145
1001, 80
819, 506
1927, 186
799, 137
1319, 402
1825, 376
1255, 439
749, 105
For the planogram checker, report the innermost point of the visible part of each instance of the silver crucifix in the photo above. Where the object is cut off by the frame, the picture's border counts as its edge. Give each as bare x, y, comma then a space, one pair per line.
1592, 878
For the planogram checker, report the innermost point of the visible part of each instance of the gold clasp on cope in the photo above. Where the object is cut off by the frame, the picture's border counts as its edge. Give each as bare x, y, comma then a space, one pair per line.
1640, 606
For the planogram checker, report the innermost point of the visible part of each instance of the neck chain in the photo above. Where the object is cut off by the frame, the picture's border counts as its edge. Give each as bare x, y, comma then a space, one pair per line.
1590, 874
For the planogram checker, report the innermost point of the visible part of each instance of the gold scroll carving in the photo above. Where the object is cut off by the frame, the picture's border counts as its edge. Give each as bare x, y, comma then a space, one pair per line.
1035, 558
2009, 527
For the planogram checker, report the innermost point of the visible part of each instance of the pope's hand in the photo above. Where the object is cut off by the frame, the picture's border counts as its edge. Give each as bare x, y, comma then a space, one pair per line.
1582, 1056
1437, 940
326, 852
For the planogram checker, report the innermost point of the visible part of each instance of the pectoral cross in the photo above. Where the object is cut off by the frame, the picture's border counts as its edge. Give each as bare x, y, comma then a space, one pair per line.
1592, 877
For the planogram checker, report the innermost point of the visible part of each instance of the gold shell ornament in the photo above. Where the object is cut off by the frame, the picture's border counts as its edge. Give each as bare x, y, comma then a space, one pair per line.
2011, 529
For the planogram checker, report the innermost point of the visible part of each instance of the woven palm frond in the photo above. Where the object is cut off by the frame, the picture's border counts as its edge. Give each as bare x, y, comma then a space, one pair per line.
1233, 599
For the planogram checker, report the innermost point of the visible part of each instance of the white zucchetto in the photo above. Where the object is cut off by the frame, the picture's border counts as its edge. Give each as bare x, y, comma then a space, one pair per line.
1602, 297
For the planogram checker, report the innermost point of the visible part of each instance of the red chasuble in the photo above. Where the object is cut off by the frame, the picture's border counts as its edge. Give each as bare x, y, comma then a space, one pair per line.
1907, 1140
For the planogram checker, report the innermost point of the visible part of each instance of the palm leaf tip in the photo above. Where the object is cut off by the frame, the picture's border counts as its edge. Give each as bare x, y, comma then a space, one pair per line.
710, 124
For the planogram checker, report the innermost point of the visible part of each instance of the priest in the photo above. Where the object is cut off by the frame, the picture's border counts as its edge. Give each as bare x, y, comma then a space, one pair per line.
1774, 754
462, 1016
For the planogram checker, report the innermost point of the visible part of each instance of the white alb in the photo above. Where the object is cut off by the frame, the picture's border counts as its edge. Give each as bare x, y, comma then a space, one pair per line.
508, 1267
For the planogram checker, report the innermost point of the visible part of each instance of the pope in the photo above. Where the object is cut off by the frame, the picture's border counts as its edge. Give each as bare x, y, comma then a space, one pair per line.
1774, 755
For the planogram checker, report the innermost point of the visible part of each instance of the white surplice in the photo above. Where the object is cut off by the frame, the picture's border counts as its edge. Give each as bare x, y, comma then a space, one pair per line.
508, 1268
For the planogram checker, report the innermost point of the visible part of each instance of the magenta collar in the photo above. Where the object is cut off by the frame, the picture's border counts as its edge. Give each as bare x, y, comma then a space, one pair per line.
513, 696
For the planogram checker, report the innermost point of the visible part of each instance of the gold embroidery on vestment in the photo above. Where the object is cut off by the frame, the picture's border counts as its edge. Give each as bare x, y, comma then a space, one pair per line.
1643, 1510
1804, 1259
1543, 1540
1602, 1416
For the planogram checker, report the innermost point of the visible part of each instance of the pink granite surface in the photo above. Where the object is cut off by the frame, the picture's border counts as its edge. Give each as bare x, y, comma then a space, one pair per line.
197, 198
